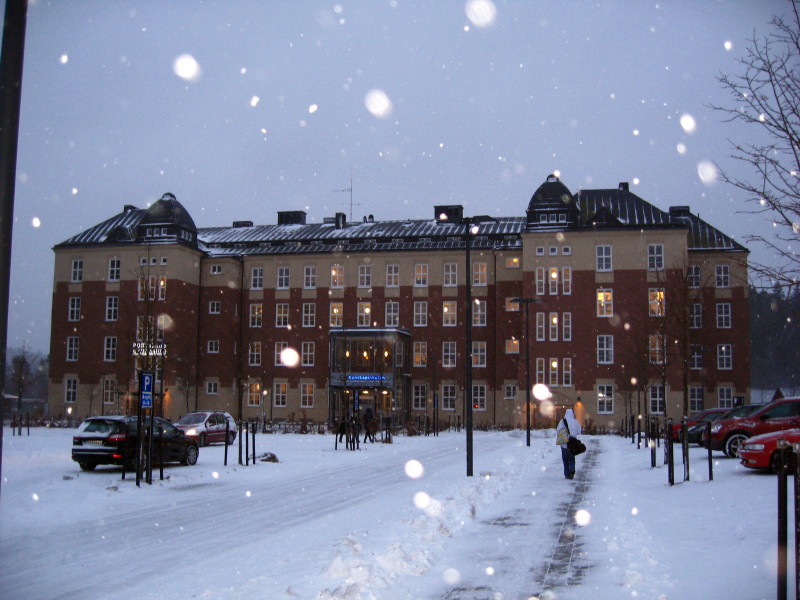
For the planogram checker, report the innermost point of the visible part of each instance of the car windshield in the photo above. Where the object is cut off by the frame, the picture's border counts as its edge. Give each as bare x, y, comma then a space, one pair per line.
741, 411
192, 419
101, 426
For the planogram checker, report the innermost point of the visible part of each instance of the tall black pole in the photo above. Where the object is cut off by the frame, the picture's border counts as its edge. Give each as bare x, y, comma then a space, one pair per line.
527, 375
468, 354
11, 58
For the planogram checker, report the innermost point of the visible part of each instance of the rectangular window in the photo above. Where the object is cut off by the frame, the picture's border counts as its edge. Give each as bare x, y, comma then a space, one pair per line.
309, 314
421, 314
282, 282
213, 346
553, 378
605, 303
162, 287
279, 394
337, 276
109, 390
76, 275
566, 281
540, 368
566, 326
479, 397
216, 269
257, 278
114, 269
448, 397
693, 276
655, 346
541, 319
421, 275
512, 305
540, 281
479, 313
605, 349
392, 314
696, 357
553, 325
70, 390
110, 348
420, 354
419, 398
657, 403
448, 354
566, 378
112, 308
510, 391
696, 398
695, 315
723, 276
254, 354
449, 313
450, 274
214, 307
307, 354
512, 262
655, 257
478, 354
310, 277
725, 397
655, 301
724, 357
253, 393
364, 313
74, 313
336, 316
512, 346
603, 255
306, 395
479, 274
72, 348
605, 399
552, 278
364, 276
282, 314
212, 388
256, 315
278, 355
393, 276
723, 315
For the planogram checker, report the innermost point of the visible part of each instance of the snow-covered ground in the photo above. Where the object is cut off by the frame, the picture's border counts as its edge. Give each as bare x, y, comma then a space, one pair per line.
390, 521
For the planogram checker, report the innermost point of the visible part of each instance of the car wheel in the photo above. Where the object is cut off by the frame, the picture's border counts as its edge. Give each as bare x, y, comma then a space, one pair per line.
191, 455
87, 466
231, 437
202, 439
733, 443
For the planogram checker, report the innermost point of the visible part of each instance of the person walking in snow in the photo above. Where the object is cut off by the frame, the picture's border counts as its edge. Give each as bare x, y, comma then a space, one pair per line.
568, 426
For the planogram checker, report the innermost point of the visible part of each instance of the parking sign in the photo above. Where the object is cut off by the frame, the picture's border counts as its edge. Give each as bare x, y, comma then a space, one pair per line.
146, 389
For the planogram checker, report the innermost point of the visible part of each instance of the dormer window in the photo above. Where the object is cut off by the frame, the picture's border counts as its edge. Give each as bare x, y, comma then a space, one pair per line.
542, 218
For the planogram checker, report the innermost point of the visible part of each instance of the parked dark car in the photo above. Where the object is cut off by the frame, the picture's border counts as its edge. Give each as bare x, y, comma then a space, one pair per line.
112, 440
728, 434
702, 416
208, 427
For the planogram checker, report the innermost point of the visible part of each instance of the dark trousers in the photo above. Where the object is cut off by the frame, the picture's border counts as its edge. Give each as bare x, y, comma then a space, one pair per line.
569, 462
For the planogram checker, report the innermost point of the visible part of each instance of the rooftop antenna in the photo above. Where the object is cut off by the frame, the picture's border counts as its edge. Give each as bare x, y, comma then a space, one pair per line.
350, 189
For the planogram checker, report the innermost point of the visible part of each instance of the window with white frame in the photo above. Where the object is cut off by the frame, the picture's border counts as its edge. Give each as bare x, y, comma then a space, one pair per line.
724, 356
656, 397
605, 303
337, 276
541, 326
392, 314
213, 346
254, 393
450, 274
214, 307
696, 315
510, 391
310, 277
696, 357
479, 313
419, 398
540, 281
725, 397
72, 348
479, 274
254, 354
282, 282
655, 302
553, 377
74, 312
723, 315
448, 397
512, 305
552, 278
655, 347
393, 276
307, 350
114, 269
421, 275
306, 395
553, 326
566, 326
162, 287
448, 354
693, 276
282, 314
309, 314
723, 276
478, 354
212, 388
566, 368
605, 349
696, 398
76, 275
540, 370
109, 389
512, 262
420, 354
70, 390
605, 399
215, 269
566, 281
364, 276
449, 313
512, 346
279, 393
257, 278
364, 314
603, 256
421, 313
112, 308
256, 315
655, 257
110, 348
479, 397
336, 314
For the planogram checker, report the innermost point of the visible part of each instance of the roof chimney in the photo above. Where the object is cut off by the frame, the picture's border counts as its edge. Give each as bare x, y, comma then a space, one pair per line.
623, 186
341, 220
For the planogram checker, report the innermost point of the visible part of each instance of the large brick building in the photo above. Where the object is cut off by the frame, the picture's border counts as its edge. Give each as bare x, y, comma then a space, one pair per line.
630, 309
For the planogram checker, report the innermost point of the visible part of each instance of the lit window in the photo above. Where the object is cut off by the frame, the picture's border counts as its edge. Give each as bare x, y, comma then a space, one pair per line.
605, 303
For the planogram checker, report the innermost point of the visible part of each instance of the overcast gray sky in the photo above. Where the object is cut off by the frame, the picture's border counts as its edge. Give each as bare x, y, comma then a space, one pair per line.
243, 108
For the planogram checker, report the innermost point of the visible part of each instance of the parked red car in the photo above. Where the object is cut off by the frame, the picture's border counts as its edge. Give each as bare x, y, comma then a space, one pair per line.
759, 452
694, 420
729, 434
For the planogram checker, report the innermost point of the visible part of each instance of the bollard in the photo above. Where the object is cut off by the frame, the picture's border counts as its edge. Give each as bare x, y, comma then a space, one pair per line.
708, 445
227, 433
669, 449
685, 448
241, 431
782, 520
253, 433
161, 453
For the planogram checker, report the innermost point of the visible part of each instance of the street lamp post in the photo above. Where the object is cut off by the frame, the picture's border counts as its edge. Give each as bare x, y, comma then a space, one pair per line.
526, 302
472, 228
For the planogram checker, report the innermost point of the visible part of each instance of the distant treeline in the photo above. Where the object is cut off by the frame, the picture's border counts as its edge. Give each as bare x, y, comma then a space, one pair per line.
774, 338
